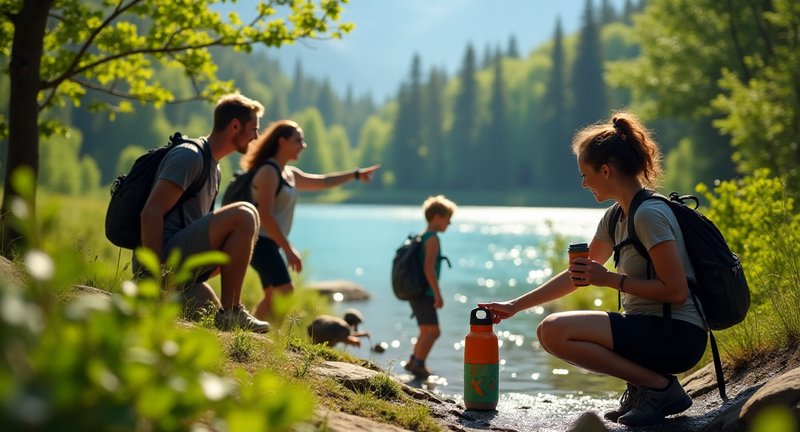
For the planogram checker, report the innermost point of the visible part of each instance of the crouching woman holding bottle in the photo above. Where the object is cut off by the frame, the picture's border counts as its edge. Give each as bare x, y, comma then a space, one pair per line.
616, 160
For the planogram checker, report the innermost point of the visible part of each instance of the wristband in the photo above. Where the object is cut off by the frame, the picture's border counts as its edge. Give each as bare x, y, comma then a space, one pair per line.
357, 173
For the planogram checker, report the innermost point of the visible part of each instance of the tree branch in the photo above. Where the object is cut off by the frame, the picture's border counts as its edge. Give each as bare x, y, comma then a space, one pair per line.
71, 69
49, 98
130, 96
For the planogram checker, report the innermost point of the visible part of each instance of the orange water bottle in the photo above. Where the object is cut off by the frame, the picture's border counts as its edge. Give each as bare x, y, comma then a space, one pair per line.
481, 363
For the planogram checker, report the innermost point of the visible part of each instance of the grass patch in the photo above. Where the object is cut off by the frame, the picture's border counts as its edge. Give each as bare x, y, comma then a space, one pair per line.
378, 402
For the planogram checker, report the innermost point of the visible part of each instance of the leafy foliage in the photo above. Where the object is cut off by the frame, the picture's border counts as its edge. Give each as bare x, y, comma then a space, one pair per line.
760, 223
61, 51
763, 109
119, 362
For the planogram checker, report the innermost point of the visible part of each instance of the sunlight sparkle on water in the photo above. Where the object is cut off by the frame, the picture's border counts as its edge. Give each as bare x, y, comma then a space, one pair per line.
538, 276
396, 343
535, 376
461, 298
338, 297
512, 282
560, 372
359, 271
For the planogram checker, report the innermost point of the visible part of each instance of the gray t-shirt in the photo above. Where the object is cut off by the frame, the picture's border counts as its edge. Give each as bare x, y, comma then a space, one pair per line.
655, 223
182, 166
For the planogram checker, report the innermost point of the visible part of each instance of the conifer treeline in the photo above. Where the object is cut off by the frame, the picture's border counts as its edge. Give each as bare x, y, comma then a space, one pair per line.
502, 122
500, 134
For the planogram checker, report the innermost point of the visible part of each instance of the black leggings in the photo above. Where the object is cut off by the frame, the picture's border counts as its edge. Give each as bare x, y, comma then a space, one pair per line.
641, 339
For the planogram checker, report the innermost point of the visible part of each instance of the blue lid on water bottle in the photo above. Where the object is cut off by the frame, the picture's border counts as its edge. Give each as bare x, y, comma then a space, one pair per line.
480, 316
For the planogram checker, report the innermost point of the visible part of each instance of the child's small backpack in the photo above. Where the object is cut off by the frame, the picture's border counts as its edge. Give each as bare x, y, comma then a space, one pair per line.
239, 187
408, 277
720, 288
129, 192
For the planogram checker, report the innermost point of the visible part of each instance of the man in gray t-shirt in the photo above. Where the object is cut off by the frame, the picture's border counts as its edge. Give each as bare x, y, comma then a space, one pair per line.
192, 228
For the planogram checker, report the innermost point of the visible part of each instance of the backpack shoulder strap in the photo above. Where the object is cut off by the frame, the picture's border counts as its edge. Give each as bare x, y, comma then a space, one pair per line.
281, 181
640, 197
616, 213
202, 145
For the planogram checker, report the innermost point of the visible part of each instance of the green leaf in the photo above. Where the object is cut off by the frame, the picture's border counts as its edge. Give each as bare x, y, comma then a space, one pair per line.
148, 259
199, 261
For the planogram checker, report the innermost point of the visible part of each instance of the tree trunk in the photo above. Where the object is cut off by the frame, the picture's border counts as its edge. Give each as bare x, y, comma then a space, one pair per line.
23, 111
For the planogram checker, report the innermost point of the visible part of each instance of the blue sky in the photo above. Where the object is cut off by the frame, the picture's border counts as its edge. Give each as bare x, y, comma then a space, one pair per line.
376, 56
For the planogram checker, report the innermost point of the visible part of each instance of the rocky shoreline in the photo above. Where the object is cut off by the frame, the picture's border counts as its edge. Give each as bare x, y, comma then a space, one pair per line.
768, 381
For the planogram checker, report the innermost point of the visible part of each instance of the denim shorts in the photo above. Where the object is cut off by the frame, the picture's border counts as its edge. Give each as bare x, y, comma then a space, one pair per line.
268, 263
642, 340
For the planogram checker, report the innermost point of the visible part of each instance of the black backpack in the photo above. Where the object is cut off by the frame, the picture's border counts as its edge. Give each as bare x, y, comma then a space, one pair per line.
129, 192
720, 288
239, 187
408, 277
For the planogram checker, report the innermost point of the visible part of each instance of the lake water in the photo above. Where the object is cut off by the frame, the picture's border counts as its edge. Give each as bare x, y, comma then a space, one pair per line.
497, 253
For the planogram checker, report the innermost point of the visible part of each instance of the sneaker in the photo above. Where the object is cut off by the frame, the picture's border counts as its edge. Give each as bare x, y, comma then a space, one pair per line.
238, 317
418, 369
626, 402
651, 406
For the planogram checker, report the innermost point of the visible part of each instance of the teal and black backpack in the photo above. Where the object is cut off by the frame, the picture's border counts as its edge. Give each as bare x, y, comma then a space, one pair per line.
408, 278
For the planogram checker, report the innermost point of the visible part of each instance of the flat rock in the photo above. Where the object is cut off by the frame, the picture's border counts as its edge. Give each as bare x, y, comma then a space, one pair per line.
783, 390
11, 272
335, 421
350, 291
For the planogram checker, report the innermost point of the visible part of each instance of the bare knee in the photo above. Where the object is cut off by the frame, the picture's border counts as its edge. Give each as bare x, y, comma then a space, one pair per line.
240, 216
430, 331
246, 217
549, 332
283, 289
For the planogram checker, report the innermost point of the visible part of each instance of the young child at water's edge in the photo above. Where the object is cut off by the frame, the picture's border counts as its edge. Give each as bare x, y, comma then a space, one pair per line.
438, 212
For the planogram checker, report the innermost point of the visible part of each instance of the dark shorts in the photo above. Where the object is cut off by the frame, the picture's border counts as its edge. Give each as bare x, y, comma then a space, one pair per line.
641, 339
424, 311
268, 263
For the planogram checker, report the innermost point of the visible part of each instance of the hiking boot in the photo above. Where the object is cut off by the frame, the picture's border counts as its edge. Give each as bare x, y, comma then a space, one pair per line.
651, 406
626, 402
418, 369
238, 317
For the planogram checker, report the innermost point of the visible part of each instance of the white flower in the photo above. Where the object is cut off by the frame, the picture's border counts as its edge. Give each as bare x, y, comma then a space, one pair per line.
40, 265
